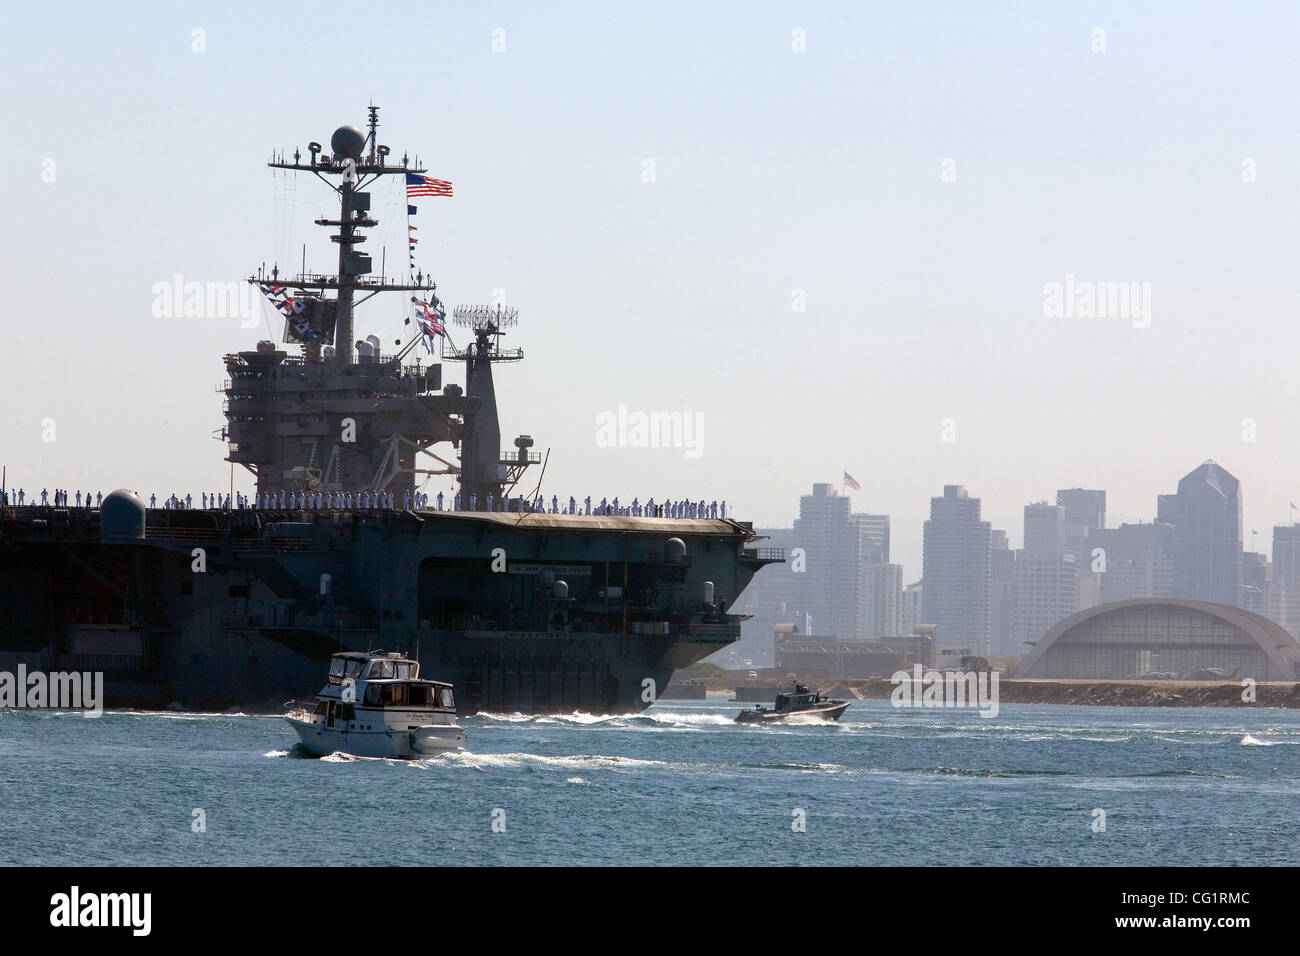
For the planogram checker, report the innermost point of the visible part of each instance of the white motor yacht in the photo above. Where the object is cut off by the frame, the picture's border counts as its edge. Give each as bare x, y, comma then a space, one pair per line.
376, 705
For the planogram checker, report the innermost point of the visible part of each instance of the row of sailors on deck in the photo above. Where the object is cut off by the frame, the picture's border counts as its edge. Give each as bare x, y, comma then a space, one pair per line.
62, 499
369, 500
387, 500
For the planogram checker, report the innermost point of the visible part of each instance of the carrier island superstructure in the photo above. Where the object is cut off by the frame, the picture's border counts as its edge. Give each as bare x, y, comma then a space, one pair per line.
523, 610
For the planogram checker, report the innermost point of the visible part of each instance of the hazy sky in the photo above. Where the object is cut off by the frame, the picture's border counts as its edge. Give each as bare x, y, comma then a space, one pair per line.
774, 171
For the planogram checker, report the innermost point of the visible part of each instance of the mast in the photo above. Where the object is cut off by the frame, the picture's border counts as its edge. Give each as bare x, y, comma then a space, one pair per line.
485, 467
358, 160
346, 239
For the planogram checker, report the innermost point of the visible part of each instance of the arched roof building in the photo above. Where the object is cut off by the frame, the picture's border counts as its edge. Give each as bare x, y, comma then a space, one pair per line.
1166, 636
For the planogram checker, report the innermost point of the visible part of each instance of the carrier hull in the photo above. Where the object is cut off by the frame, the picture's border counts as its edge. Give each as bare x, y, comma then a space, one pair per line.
221, 609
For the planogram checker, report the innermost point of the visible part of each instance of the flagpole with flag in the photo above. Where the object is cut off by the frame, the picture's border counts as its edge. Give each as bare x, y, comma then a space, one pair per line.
851, 482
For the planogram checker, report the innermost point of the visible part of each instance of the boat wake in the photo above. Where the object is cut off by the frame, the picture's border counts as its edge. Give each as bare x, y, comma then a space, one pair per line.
1250, 740
465, 758
658, 720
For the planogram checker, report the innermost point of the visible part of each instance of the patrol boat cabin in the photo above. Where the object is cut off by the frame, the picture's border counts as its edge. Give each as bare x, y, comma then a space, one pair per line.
799, 701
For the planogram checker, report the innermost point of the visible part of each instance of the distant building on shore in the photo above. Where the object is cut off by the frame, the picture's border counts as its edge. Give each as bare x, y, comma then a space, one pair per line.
1165, 638
957, 558
1205, 514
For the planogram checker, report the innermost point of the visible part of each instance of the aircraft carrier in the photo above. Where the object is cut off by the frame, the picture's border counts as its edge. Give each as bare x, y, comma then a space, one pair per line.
524, 607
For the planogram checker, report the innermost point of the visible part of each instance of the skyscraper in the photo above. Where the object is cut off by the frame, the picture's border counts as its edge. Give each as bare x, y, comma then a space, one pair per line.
1046, 591
909, 615
882, 593
1085, 520
830, 587
1205, 514
1046, 576
1083, 506
1045, 527
1138, 561
1003, 574
882, 582
1286, 575
874, 531
956, 559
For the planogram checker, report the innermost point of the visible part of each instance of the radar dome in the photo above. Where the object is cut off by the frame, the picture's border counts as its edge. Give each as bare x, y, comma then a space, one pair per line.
121, 515
348, 142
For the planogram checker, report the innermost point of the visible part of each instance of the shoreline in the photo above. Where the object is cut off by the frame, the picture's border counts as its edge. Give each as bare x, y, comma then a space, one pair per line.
1101, 693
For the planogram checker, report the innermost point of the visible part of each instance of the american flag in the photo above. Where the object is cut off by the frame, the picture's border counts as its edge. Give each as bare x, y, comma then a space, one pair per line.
852, 482
417, 185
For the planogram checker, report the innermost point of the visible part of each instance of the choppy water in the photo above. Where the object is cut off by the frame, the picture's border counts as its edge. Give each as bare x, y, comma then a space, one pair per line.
679, 784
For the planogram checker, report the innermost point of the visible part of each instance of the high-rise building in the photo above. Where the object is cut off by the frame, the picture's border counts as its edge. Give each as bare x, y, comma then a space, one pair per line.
1002, 597
1286, 574
1085, 519
1137, 561
1083, 506
1205, 514
1286, 554
956, 558
1045, 527
1261, 591
874, 531
1046, 576
1046, 591
829, 589
909, 615
882, 590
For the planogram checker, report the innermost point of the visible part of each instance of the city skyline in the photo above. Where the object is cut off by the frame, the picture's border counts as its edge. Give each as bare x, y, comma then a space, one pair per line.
982, 593
901, 534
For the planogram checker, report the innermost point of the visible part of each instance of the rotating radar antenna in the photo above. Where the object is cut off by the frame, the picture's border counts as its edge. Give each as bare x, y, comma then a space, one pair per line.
488, 323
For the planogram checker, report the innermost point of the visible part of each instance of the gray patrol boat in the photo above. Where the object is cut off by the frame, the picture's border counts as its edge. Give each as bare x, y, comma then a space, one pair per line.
521, 609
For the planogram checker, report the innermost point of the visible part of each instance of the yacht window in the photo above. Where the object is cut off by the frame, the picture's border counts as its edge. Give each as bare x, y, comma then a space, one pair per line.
395, 695
445, 697
373, 698
381, 670
353, 668
402, 671
336, 667
320, 707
